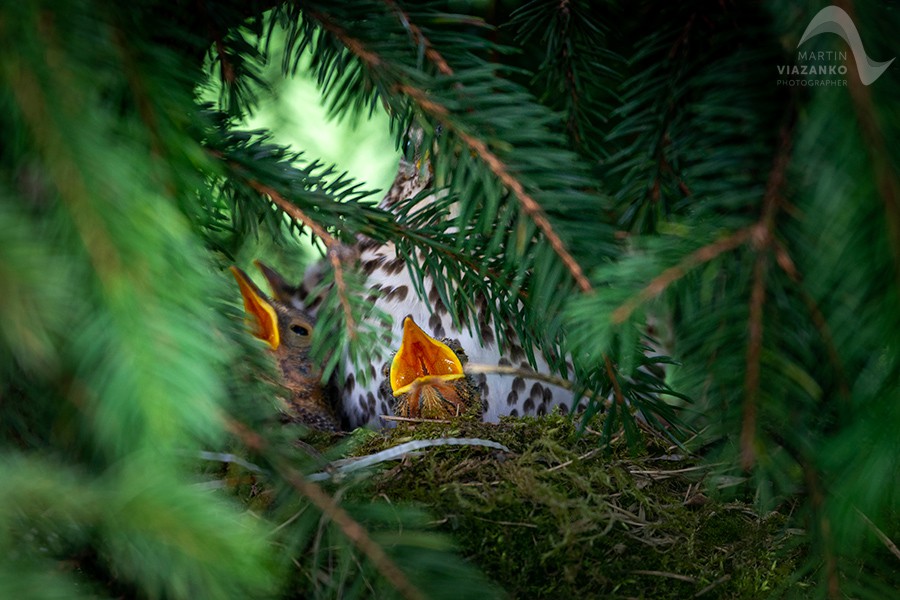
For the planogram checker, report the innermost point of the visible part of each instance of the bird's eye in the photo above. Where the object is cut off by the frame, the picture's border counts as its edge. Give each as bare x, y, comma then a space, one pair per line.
300, 329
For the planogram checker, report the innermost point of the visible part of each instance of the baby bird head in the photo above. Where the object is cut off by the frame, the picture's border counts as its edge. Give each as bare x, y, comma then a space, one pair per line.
427, 379
288, 331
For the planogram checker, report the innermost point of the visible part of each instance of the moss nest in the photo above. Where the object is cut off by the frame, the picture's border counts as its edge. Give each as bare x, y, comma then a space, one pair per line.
559, 515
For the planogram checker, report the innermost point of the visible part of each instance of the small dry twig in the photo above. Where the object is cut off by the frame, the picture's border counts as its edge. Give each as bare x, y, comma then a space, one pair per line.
888, 542
665, 574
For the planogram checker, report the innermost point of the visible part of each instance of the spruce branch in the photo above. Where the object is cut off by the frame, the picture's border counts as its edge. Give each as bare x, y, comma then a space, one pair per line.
762, 241
530, 206
786, 263
661, 282
578, 70
419, 38
440, 112
62, 166
349, 526
334, 248
659, 92
478, 369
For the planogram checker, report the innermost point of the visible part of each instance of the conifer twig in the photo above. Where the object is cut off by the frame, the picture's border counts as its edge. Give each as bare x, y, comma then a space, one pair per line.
349, 526
227, 69
661, 282
354, 45
786, 263
440, 112
332, 245
571, 82
762, 241
817, 499
479, 369
142, 99
531, 206
419, 38
610, 371
751, 376
63, 168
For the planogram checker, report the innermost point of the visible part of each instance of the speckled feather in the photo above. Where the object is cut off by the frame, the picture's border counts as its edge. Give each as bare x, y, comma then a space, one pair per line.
393, 292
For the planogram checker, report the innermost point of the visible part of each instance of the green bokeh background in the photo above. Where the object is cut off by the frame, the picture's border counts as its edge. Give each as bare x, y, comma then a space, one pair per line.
296, 115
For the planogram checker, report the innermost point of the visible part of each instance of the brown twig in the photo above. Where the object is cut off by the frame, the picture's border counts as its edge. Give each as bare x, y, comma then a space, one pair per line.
419, 38
570, 80
139, 91
817, 498
817, 504
585, 456
786, 263
610, 371
226, 67
332, 245
751, 375
506, 523
478, 369
664, 166
660, 283
32, 95
529, 205
762, 239
713, 585
355, 532
354, 45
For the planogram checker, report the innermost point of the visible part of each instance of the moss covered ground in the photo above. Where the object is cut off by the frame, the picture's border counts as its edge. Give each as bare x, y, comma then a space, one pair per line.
562, 516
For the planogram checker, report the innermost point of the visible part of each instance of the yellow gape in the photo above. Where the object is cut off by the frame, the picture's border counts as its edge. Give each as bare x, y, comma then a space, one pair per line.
427, 377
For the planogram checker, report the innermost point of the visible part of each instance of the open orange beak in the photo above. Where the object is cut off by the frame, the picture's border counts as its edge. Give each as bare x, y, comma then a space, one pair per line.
259, 308
420, 358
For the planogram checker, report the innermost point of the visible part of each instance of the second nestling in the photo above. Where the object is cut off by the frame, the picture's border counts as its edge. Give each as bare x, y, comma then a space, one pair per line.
426, 377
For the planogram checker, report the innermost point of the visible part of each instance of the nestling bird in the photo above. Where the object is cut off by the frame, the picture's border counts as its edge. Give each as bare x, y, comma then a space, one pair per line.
426, 377
288, 330
394, 293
